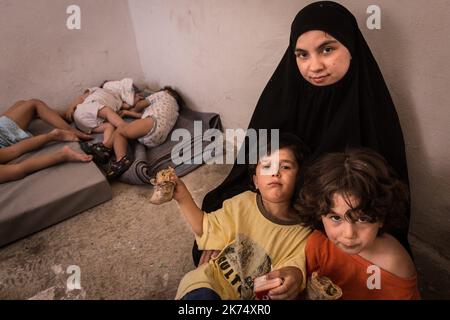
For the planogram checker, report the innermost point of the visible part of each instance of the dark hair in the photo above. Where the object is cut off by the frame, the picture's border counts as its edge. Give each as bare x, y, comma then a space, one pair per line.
287, 141
103, 83
175, 95
359, 173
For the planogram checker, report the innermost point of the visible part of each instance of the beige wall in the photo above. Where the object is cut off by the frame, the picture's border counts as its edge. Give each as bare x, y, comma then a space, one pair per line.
41, 58
220, 54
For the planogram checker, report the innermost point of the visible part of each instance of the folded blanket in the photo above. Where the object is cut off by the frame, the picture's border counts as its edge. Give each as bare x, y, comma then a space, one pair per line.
148, 161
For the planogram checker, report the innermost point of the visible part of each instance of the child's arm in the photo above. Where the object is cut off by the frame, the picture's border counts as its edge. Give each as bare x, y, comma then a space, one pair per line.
130, 113
138, 101
137, 97
68, 115
188, 207
125, 106
292, 280
141, 105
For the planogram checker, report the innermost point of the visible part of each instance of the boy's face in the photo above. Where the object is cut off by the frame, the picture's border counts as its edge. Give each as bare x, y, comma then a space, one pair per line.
276, 176
352, 238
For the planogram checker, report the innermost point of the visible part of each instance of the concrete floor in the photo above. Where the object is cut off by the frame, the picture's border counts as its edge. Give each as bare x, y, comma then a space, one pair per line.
128, 248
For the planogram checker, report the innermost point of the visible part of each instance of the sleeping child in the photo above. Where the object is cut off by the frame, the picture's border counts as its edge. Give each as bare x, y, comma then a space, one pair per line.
157, 115
96, 111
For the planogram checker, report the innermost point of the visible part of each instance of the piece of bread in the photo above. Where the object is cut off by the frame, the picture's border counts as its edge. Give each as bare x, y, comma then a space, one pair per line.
322, 288
164, 175
163, 186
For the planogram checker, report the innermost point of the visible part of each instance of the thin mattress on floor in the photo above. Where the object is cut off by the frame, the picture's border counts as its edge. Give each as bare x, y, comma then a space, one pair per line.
49, 196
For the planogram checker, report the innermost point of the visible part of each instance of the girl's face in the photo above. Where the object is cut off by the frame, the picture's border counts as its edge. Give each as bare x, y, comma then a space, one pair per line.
321, 59
276, 176
352, 238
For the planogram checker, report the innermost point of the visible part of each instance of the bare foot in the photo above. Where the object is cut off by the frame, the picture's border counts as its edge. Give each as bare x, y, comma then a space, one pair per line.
81, 135
63, 135
73, 156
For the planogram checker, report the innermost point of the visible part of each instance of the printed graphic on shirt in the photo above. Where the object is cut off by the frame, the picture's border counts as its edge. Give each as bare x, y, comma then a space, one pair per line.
241, 262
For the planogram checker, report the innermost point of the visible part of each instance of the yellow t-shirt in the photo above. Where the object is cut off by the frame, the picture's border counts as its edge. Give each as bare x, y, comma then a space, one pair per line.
253, 242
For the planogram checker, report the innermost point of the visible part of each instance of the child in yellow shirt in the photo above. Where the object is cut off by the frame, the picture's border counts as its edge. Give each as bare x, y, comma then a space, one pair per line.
258, 231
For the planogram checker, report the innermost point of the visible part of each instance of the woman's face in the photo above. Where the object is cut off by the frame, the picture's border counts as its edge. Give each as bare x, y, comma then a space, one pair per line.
321, 59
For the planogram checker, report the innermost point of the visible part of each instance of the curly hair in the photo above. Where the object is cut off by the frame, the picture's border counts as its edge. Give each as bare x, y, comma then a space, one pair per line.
359, 173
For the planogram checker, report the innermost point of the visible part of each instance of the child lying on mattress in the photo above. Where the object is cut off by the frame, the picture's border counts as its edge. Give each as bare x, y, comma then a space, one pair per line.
157, 115
16, 141
96, 111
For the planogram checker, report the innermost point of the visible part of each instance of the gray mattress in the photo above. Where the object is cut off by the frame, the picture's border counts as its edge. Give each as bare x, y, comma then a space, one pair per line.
49, 196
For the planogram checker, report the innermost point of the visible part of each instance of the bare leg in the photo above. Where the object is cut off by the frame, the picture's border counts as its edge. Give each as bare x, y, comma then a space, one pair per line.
22, 112
108, 114
10, 153
108, 131
12, 172
131, 131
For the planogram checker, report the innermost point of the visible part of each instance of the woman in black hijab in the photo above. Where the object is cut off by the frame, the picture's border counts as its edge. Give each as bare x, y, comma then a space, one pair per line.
330, 104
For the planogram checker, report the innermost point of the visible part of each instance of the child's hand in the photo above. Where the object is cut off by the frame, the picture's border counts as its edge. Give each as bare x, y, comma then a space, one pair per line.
125, 106
137, 98
290, 289
126, 113
69, 115
181, 192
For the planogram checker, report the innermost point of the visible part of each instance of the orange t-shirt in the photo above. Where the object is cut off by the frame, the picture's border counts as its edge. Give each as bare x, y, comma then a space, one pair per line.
352, 272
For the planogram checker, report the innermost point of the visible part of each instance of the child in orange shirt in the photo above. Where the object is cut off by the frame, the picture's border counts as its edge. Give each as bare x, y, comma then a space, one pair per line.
355, 198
